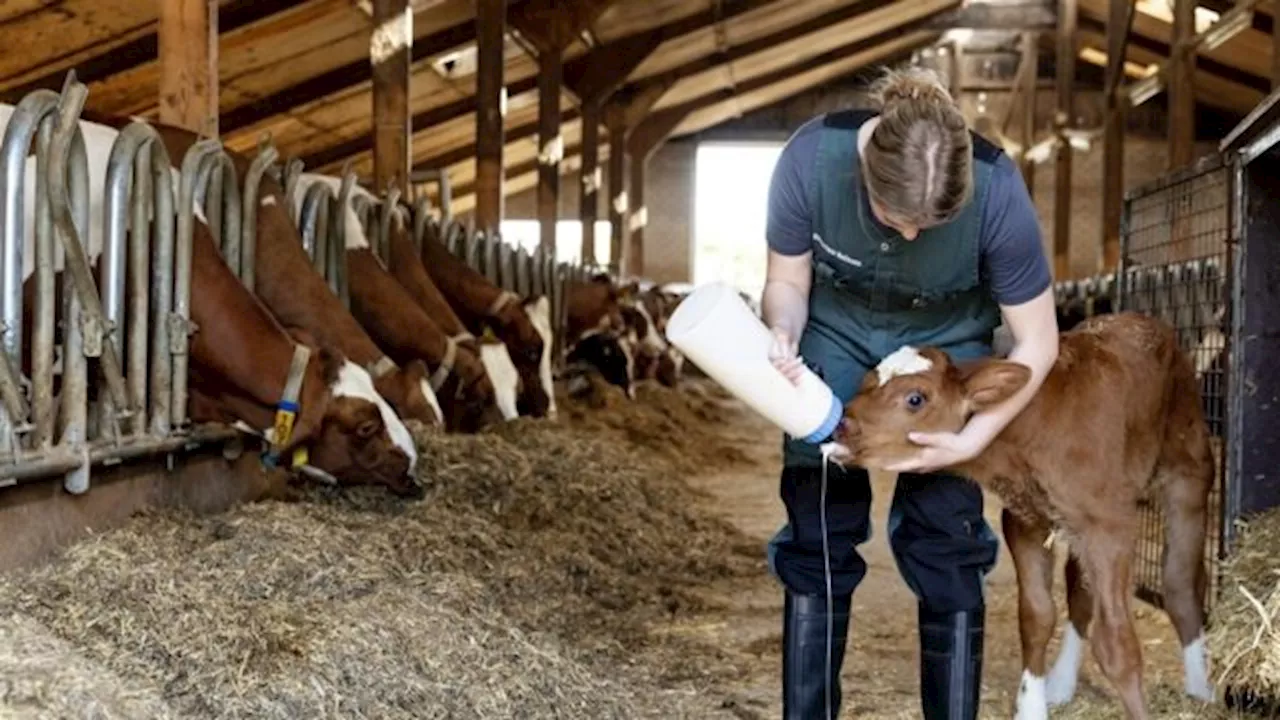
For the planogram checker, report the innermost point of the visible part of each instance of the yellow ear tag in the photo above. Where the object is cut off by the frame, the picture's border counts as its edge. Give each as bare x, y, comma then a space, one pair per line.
488, 334
300, 457
284, 426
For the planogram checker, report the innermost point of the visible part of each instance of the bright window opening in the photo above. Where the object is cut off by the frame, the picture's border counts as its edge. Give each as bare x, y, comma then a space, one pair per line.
731, 191
528, 233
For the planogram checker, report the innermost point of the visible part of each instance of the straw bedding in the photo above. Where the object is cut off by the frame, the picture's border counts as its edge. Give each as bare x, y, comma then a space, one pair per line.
528, 583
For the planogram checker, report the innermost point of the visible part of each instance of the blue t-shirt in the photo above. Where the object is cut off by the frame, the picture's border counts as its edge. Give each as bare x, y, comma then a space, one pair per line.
1012, 251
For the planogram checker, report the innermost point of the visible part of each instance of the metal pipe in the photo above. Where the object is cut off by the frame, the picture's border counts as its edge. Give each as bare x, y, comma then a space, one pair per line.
60, 460
454, 240
44, 414
68, 189
421, 216
505, 270
174, 339
490, 258
315, 223
473, 250
538, 273
267, 156
292, 171
441, 178
390, 208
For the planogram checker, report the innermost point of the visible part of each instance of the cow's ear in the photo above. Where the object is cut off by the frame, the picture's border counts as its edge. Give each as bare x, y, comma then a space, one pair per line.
991, 382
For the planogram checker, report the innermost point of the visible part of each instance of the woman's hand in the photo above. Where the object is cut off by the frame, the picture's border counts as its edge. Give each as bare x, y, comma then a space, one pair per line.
785, 355
939, 451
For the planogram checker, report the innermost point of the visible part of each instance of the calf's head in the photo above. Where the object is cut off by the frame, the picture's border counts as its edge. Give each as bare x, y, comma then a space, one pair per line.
408, 390
918, 391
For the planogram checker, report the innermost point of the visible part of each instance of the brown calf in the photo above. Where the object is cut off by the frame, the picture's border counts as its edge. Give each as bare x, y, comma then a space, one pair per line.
1118, 418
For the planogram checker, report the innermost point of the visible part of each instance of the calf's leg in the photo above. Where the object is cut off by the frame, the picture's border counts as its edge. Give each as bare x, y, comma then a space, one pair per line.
1061, 686
1186, 488
1107, 557
1033, 564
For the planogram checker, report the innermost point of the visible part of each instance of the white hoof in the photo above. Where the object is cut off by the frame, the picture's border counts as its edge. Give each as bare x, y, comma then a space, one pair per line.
1066, 669
1031, 701
1195, 668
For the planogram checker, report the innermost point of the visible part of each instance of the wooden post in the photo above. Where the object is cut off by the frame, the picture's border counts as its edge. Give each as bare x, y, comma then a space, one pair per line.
188, 50
590, 196
1275, 52
1182, 101
550, 145
389, 49
1119, 23
490, 31
1030, 54
618, 215
634, 265
1062, 120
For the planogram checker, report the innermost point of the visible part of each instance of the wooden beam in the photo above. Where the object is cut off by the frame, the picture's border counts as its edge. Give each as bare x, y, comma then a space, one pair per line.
144, 49
1035, 15
188, 47
1062, 120
1275, 54
1119, 27
1028, 93
618, 215
1182, 91
551, 25
389, 58
490, 34
595, 76
519, 132
590, 177
550, 145
751, 47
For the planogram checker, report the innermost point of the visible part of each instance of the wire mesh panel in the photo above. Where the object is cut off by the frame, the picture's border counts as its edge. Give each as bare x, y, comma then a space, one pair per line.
1174, 249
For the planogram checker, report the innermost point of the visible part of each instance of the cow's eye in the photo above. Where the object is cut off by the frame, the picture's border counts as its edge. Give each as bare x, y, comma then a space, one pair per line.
915, 400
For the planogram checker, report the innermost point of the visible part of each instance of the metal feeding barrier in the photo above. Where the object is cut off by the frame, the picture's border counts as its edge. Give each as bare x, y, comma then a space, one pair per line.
1175, 243
135, 327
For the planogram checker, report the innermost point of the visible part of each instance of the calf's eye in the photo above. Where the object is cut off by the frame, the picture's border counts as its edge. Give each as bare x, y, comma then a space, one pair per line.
915, 400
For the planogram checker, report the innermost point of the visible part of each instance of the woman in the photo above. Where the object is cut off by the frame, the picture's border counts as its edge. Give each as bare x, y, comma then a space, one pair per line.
889, 229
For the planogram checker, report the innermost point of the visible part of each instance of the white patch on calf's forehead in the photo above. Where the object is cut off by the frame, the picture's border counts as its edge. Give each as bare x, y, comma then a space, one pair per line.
502, 373
432, 399
268, 200
355, 381
906, 360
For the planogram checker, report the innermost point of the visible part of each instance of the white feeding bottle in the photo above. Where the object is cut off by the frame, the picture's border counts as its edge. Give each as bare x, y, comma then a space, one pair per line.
716, 330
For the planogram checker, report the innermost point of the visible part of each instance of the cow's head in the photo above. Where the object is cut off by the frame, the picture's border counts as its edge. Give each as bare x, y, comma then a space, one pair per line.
525, 329
919, 391
408, 390
468, 394
609, 354
503, 374
361, 440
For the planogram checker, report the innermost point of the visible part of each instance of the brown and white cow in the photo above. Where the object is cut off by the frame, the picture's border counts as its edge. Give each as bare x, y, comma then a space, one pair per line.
363, 439
299, 298
1117, 419
523, 325
407, 332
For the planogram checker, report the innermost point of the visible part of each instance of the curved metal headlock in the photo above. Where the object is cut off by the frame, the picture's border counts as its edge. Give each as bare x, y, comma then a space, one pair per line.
313, 222
489, 257
267, 155
218, 190
292, 171
335, 271
559, 310
506, 262
522, 263
173, 337
455, 240
68, 187
139, 168
421, 217
473, 248
390, 209
537, 273
35, 111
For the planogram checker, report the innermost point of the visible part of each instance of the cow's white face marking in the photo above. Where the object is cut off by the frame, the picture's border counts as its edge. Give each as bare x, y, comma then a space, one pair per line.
354, 381
652, 339
432, 400
626, 345
540, 315
502, 373
906, 360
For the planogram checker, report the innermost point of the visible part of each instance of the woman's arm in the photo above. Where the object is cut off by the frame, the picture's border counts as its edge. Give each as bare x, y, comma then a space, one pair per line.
785, 304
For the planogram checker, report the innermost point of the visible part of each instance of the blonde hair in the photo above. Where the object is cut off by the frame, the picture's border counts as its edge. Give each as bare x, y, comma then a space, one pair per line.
918, 162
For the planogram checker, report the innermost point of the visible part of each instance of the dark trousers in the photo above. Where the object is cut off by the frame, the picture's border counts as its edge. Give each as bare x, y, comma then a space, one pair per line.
941, 543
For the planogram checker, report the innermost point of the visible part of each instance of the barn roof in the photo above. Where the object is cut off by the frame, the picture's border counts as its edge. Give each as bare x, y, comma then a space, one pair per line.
299, 69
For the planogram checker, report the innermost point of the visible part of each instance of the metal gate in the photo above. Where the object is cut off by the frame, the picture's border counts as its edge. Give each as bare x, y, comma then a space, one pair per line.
1176, 248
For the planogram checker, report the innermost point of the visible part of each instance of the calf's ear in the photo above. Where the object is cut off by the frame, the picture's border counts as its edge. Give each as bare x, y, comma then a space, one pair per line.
991, 382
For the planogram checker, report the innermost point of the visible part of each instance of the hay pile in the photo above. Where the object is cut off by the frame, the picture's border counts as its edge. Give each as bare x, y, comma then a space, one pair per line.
528, 583
1165, 701
1244, 632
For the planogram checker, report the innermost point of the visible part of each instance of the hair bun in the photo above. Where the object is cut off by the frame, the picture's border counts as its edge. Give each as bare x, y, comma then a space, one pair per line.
910, 84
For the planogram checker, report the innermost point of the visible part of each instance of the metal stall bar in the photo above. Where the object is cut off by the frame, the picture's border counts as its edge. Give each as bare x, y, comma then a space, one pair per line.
390, 207
313, 221
267, 155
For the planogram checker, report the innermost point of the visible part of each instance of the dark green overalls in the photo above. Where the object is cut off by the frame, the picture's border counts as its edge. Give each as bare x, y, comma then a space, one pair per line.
873, 292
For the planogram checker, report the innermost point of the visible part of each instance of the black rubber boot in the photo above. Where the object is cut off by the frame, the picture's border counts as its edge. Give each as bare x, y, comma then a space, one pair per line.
805, 682
950, 664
